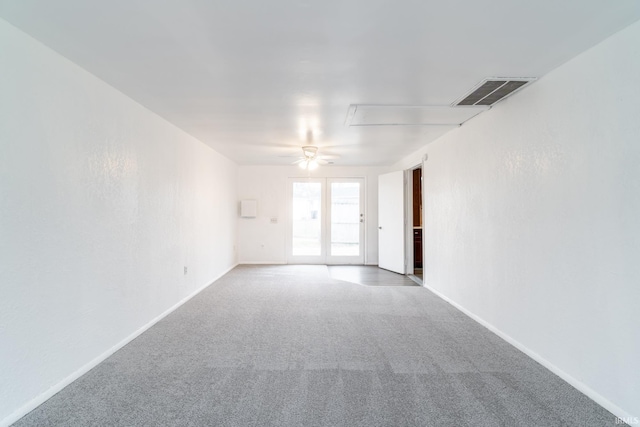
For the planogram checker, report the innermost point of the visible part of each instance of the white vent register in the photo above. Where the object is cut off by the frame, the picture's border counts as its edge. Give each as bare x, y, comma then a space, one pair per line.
491, 90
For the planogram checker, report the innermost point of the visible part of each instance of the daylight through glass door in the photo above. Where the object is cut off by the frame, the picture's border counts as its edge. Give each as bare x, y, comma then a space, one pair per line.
345, 218
327, 221
307, 219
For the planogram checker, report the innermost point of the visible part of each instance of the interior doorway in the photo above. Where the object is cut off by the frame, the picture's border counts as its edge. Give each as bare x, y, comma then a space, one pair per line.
414, 231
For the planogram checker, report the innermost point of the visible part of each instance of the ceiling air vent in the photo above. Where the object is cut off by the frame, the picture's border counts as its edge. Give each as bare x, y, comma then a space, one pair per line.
493, 89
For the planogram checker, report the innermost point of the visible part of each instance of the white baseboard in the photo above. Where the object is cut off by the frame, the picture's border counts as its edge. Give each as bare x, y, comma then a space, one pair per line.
40, 399
262, 263
579, 385
282, 263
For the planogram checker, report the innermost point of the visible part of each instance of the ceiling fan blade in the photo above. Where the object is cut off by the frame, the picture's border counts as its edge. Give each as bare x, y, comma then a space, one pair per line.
298, 161
329, 156
322, 161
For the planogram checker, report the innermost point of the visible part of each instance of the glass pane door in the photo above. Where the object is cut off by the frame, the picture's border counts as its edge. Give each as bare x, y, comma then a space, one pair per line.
306, 236
327, 221
345, 219
307, 219
346, 224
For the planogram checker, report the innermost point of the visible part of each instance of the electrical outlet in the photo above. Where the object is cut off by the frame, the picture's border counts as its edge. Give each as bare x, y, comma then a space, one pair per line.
185, 270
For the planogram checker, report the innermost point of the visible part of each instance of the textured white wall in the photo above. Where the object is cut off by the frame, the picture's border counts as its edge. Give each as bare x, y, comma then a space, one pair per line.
102, 204
259, 241
532, 219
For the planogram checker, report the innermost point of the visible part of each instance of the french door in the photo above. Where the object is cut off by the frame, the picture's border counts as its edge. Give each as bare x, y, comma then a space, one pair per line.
326, 221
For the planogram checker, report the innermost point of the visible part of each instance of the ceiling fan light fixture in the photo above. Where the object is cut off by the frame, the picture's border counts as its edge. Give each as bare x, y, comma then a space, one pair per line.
311, 160
310, 151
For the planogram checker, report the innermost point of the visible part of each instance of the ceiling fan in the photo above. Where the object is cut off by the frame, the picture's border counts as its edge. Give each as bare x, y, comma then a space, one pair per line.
310, 159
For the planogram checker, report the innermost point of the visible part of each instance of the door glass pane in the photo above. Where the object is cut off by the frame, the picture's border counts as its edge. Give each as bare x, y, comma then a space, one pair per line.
345, 219
307, 219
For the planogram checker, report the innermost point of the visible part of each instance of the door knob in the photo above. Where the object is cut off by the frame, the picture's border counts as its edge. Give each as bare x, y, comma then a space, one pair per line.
379, 228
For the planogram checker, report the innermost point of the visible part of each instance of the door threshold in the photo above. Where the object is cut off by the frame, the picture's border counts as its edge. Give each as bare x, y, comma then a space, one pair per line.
415, 279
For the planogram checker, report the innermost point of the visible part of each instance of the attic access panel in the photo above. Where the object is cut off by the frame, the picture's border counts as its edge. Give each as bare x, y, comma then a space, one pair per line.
492, 90
409, 115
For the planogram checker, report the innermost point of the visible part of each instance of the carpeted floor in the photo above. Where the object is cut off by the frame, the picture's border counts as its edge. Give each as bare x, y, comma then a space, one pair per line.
368, 275
289, 346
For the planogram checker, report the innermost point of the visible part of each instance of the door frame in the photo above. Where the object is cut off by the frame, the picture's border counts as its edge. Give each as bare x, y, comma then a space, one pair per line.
408, 223
408, 220
325, 211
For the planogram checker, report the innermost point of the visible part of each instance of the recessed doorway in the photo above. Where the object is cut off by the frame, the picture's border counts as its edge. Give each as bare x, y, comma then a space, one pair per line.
414, 232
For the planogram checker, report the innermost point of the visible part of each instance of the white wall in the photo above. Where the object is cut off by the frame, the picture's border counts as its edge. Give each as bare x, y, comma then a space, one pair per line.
102, 204
532, 219
259, 241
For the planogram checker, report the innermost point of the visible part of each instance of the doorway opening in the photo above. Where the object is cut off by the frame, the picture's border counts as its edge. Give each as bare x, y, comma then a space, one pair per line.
414, 230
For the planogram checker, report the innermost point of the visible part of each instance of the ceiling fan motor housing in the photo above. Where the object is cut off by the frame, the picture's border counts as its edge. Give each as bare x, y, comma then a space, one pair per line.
310, 151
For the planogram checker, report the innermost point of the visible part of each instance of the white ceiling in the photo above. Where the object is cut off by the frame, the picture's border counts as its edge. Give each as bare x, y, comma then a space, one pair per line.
243, 76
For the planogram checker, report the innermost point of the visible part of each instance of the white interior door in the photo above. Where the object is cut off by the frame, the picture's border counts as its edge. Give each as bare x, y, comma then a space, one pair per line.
391, 222
327, 221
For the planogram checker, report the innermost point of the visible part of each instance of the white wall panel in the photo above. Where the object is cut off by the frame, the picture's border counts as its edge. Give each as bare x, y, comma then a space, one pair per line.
532, 219
102, 205
261, 241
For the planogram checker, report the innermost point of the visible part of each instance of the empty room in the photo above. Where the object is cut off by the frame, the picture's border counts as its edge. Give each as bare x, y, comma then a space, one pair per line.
337, 213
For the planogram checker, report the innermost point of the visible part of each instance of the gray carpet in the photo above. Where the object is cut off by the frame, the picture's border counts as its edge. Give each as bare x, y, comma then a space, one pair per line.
289, 346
